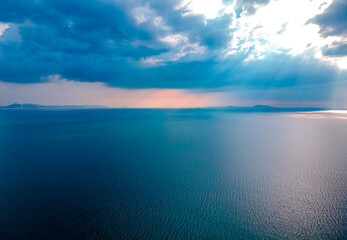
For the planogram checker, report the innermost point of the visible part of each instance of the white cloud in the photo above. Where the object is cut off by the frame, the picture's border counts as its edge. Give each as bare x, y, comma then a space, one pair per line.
174, 39
208, 8
3, 27
145, 14
180, 46
280, 26
178, 43
341, 62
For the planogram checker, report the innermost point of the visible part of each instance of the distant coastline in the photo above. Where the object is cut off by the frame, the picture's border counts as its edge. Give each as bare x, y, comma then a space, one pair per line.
38, 106
256, 108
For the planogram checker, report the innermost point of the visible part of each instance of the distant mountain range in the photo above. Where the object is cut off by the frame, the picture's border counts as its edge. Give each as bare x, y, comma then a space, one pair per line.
38, 106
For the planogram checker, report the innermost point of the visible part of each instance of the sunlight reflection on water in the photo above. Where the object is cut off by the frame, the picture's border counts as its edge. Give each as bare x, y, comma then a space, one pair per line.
337, 114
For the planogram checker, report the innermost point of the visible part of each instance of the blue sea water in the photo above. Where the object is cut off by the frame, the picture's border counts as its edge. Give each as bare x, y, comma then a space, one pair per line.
172, 174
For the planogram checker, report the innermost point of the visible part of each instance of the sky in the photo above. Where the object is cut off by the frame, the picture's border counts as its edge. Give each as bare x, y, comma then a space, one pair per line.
174, 53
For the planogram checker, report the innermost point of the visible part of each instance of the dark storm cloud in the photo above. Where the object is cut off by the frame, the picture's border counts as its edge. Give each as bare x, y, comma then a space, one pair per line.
95, 41
60, 37
87, 40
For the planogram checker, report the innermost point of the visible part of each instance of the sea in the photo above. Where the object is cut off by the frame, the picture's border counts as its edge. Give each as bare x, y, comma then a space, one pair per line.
172, 174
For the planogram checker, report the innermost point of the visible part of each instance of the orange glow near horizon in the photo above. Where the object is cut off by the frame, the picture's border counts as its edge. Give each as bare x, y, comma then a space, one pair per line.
57, 91
65, 92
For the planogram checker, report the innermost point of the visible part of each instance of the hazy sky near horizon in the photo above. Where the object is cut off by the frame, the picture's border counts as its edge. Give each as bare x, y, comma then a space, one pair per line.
166, 53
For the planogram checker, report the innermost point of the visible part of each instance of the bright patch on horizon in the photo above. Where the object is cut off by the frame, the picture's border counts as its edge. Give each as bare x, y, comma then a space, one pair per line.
337, 114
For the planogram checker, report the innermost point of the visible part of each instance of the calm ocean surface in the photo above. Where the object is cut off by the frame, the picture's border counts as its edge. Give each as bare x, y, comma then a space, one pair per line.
169, 174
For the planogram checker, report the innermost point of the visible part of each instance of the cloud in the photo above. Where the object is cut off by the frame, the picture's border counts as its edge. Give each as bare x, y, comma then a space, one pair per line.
333, 24
333, 21
275, 27
84, 40
3, 27
208, 8
180, 47
250, 6
193, 45
340, 49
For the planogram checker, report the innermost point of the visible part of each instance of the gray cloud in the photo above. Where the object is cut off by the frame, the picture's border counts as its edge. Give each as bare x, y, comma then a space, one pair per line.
336, 51
333, 22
